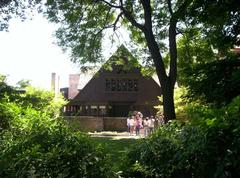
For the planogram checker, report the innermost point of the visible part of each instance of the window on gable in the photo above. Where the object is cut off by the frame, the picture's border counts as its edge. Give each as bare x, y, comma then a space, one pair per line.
108, 85
130, 85
135, 85
124, 84
121, 85
113, 85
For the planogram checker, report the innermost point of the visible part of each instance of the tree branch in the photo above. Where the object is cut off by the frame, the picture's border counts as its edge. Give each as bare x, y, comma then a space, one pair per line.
173, 51
170, 7
116, 21
147, 14
182, 9
175, 16
128, 15
109, 4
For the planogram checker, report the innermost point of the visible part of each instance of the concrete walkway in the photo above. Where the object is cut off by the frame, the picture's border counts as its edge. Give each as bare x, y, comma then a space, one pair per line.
115, 135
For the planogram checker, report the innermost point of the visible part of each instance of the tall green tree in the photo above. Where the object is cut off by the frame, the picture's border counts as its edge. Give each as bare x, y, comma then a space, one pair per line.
83, 23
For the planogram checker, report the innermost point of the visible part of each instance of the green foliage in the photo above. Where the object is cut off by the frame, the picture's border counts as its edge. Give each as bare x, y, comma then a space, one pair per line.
215, 82
39, 146
22, 84
34, 142
220, 21
41, 100
208, 146
22, 9
122, 58
5, 90
193, 48
11, 99
86, 24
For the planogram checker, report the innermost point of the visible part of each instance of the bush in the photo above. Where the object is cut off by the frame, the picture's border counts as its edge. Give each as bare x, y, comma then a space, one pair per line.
205, 147
53, 155
39, 146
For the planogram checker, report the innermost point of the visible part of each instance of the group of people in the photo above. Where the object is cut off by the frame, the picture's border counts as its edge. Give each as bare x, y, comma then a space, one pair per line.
137, 123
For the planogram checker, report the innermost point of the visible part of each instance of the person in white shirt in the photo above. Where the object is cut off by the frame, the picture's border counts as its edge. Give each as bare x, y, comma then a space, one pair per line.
128, 125
146, 123
151, 124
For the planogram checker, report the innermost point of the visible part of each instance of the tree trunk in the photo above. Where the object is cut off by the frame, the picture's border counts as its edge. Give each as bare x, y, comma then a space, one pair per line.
167, 82
168, 100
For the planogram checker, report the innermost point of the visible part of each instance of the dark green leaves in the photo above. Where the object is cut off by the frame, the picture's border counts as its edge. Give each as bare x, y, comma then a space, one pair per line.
215, 82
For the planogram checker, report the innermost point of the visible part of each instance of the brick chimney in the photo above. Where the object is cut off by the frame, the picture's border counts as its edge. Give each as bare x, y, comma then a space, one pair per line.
73, 85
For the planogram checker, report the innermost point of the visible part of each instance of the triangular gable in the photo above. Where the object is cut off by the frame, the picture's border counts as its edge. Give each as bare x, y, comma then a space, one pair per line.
121, 64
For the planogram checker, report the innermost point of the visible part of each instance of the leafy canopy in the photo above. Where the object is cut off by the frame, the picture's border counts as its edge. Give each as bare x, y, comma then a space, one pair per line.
22, 9
85, 23
215, 82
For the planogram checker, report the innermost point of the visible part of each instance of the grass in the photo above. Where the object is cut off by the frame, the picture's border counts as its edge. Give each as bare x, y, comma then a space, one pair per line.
115, 148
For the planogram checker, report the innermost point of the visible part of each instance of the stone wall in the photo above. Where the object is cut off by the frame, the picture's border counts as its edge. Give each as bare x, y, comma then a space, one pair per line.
90, 123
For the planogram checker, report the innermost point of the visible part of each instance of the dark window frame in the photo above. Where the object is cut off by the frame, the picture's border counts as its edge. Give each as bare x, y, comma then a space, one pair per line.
117, 85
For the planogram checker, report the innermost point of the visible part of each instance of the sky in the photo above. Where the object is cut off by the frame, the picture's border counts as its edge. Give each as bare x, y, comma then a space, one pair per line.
28, 52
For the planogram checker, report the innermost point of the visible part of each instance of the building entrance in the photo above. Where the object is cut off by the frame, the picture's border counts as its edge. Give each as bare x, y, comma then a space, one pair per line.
119, 109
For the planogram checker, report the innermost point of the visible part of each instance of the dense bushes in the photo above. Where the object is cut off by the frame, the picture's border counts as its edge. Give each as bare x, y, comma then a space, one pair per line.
36, 145
208, 146
34, 142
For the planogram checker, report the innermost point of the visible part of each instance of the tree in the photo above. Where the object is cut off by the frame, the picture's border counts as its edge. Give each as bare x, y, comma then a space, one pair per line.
83, 26
16, 8
5, 89
22, 84
148, 22
193, 48
220, 22
215, 82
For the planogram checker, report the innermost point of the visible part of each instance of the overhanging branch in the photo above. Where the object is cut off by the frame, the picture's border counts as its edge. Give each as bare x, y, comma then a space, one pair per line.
109, 4
116, 21
170, 7
128, 15
147, 14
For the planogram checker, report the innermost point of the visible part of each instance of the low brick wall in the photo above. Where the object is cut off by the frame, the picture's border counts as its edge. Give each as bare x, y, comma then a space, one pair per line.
90, 123
114, 124
85, 123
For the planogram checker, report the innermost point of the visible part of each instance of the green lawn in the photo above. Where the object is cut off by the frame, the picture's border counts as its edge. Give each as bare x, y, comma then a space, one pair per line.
115, 148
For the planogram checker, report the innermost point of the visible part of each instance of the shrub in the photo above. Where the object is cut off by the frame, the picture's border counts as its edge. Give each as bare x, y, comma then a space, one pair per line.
208, 146
39, 146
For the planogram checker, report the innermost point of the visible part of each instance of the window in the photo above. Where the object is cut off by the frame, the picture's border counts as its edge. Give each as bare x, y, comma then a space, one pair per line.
121, 85
94, 110
135, 85
113, 85
108, 85
124, 85
102, 110
130, 85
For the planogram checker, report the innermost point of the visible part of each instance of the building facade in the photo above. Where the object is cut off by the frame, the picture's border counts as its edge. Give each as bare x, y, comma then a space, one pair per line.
116, 89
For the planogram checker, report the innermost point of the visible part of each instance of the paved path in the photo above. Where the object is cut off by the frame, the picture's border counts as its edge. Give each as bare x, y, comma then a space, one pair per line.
115, 135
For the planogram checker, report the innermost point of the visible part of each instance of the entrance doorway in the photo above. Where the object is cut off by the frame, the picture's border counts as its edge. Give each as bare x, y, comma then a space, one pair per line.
119, 109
